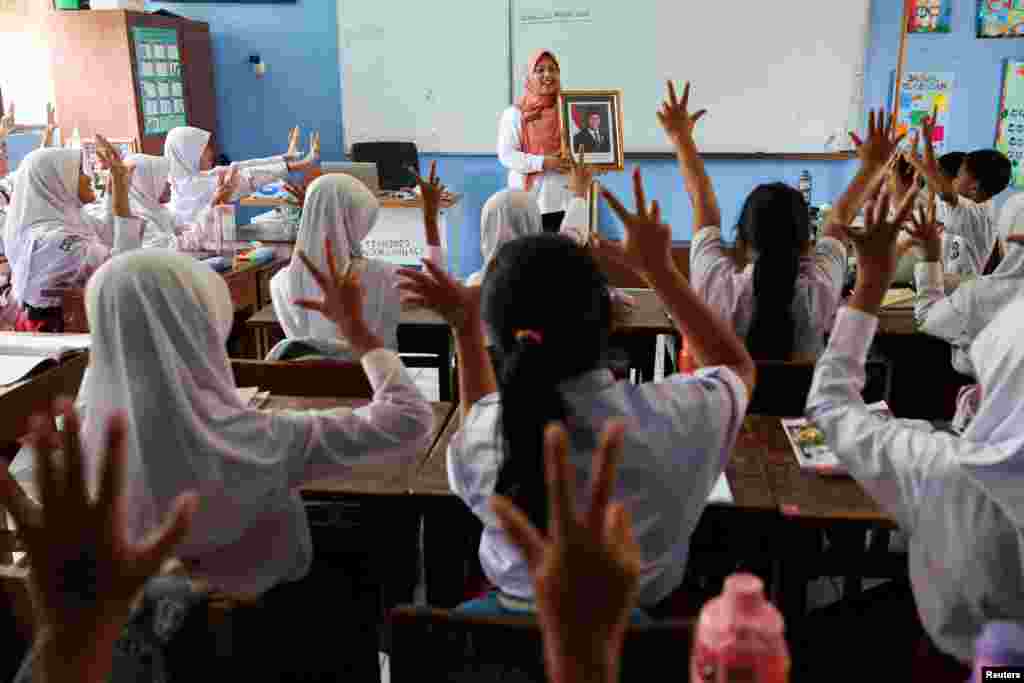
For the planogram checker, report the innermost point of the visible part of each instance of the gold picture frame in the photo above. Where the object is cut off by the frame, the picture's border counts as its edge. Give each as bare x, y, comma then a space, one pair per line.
593, 118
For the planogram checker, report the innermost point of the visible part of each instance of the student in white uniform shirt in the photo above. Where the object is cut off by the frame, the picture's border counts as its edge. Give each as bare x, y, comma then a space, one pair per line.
970, 231
340, 208
783, 302
50, 241
194, 178
959, 499
553, 341
960, 317
530, 142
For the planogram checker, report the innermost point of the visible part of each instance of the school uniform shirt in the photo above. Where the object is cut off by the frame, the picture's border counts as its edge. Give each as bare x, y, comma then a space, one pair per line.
960, 500
192, 190
6, 190
968, 238
730, 293
680, 434
960, 317
342, 208
1011, 218
49, 240
550, 187
159, 322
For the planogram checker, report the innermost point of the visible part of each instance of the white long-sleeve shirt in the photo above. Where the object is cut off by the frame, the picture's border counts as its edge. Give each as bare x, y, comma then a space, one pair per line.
965, 555
730, 292
680, 434
551, 187
969, 236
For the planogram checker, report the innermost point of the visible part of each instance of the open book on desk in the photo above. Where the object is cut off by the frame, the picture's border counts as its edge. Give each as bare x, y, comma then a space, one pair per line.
808, 442
21, 353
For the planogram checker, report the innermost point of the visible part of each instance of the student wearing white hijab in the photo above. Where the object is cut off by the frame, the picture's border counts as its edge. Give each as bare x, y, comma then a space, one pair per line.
49, 240
194, 177
960, 317
340, 208
960, 500
507, 215
159, 322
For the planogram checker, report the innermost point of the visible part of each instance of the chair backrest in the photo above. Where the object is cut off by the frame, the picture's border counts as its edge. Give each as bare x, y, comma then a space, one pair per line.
393, 160
782, 386
434, 644
304, 378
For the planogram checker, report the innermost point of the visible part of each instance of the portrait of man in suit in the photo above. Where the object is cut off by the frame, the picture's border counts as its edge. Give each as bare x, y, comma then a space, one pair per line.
595, 137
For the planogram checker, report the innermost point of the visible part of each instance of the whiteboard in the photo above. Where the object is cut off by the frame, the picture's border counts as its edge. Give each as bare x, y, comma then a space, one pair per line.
433, 73
778, 76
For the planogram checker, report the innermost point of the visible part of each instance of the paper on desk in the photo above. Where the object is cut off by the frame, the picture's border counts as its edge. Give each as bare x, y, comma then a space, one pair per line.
721, 493
252, 396
898, 298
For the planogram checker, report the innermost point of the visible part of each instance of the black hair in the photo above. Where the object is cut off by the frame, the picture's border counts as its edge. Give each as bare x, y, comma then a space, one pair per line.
776, 224
992, 170
553, 288
950, 163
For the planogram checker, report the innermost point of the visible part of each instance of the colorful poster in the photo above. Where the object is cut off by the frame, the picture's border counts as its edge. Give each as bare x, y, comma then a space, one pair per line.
930, 16
159, 77
921, 93
1010, 129
1000, 18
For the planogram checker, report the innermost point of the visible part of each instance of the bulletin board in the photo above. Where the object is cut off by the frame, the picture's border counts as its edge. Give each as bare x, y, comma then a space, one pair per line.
1010, 127
159, 77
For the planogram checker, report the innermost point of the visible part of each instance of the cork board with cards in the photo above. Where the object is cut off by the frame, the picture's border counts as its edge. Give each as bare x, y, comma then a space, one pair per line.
159, 75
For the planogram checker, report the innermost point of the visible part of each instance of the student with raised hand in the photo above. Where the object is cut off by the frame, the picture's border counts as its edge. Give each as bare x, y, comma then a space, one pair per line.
194, 177
962, 315
50, 241
585, 568
970, 231
553, 344
86, 570
958, 499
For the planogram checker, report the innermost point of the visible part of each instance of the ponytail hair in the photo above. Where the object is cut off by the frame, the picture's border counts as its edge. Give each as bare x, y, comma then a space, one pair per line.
776, 224
547, 330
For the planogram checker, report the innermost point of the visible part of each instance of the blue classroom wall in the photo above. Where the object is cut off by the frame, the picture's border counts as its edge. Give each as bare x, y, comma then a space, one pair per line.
299, 44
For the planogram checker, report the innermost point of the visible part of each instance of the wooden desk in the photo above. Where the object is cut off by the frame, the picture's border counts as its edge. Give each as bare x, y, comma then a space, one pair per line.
419, 331
384, 201
19, 401
896, 321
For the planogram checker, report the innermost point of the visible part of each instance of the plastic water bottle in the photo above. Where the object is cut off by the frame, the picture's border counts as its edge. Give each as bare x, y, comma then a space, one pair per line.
1001, 644
804, 185
740, 637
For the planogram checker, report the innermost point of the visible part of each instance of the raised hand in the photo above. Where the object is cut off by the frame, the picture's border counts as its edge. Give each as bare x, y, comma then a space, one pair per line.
51, 126
926, 231
227, 186
85, 571
581, 176
294, 139
928, 165
7, 124
342, 303
586, 568
312, 156
881, 142
110, 158
647, 246
675, 116
431, 189
436, 290
298, 192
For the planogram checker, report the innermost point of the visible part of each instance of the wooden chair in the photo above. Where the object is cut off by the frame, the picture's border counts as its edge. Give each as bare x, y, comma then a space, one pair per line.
782, 386
442, 645
304, 378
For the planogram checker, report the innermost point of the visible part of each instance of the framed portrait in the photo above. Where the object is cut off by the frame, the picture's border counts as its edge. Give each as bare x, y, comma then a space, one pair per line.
592, 119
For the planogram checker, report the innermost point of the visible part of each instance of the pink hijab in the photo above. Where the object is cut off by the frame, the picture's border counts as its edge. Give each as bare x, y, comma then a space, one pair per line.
541, 132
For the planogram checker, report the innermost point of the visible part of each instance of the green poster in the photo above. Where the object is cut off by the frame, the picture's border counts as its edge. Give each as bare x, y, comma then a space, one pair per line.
159, 74
1010, 132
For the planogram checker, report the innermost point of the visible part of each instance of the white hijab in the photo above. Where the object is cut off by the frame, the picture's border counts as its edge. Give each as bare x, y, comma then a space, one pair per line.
998, 357
45, 200
159, 321
191, 190
507, 215
149, 179
342, 208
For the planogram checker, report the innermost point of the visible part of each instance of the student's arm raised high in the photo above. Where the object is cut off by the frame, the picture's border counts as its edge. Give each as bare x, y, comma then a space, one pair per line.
679, 124
431, 191
647, 249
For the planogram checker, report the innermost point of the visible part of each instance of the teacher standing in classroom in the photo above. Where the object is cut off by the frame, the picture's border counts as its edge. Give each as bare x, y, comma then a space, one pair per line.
530, 143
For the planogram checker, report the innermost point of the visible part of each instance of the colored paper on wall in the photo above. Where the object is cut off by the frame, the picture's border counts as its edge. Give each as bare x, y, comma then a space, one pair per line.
921, 93
1010, 128
930, 16
1000, 18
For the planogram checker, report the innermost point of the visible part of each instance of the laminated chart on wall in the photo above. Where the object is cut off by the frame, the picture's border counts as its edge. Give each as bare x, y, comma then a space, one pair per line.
1010, 130
159, 75
930, 16
1000, 18
921, 93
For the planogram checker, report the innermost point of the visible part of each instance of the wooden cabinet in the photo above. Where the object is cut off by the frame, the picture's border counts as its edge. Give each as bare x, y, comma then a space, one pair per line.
98, 79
